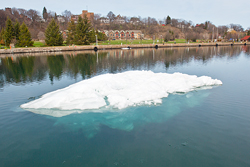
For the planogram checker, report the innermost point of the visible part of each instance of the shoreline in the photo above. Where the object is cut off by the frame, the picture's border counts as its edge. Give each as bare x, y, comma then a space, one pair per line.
109, 47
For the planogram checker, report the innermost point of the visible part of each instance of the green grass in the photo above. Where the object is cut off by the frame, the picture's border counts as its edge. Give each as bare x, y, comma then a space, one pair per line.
131, 42
118, 42
124, 42
41, 44
38, 44
178, 41
3, 46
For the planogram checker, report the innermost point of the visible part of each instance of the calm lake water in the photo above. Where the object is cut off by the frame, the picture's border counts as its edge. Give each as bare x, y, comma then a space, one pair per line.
208, 128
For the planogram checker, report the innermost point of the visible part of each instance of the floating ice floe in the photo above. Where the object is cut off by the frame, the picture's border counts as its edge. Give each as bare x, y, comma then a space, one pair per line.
119, 91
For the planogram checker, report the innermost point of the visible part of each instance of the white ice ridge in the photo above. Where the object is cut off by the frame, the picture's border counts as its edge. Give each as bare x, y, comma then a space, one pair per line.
120, 90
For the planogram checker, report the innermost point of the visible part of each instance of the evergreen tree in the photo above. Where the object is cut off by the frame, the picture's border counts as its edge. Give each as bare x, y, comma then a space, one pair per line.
9, 32
82, 31
168, 20
248, 32
2, 37
101, 36
71, 32
53, 36
206, 25
92, 38
17, 30
55, 16
25, 37
45, 14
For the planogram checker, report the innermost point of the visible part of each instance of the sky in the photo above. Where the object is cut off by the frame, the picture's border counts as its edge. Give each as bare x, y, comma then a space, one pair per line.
219, 12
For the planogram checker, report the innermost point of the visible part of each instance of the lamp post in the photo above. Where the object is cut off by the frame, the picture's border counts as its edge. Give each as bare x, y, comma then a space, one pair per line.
96, 40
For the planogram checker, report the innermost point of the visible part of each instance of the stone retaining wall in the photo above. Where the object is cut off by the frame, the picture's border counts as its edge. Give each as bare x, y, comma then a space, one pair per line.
107, 47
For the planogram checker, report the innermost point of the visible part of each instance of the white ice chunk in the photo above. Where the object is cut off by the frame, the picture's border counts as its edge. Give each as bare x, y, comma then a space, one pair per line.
120, 90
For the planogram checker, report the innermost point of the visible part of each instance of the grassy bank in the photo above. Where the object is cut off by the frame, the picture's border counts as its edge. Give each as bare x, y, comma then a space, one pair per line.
120, 42
38, 44
115, 42
3, 47
124, 42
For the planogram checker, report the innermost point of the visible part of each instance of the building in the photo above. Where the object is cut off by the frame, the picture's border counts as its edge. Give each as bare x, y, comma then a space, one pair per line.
134, 21
231, 30
106, 32
75, 18
246, 38
104, 20
61, 19
123, 34
119, 20
90, 15
111, 34
8, 10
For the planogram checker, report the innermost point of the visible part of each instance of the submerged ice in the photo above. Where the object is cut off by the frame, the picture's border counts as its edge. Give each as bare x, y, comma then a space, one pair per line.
117, 91
91, 123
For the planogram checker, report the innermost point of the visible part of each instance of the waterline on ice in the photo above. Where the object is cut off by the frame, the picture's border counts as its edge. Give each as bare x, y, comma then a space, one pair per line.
117, 91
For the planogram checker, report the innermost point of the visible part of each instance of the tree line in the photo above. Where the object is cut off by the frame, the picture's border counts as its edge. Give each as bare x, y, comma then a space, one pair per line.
167, 28
15, 33
79, 33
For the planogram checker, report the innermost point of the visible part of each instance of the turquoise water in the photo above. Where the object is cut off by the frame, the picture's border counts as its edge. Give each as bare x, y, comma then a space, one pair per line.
201, 128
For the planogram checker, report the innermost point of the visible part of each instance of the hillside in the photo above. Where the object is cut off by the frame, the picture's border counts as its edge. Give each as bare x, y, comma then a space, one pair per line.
152, 29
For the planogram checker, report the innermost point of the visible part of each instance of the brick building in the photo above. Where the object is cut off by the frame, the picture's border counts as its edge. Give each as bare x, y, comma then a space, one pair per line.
90, 16
123, 34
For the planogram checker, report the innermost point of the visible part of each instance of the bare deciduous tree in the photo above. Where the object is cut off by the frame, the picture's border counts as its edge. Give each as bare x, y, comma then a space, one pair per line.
33, 14
236, 27
41, 35
67, 15
111, 16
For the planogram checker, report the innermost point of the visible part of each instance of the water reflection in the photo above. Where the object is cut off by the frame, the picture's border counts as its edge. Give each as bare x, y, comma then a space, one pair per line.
23, 69
17, 69
56, 64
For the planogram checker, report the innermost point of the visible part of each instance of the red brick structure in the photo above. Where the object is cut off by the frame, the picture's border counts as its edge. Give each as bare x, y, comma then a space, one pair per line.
117, 35
89, 15
122, 35
132, 35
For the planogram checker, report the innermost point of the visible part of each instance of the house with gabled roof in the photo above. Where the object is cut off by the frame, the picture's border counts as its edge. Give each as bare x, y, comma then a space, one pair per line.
117, 34
134, 20
104, 20
111, 34
119, 20
246, 38
122, 34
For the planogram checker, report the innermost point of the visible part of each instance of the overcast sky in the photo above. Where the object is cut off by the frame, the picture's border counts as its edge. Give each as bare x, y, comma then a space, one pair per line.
219, 12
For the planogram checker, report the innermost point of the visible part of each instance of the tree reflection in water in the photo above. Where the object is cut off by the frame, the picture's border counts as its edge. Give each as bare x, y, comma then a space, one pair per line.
19, 69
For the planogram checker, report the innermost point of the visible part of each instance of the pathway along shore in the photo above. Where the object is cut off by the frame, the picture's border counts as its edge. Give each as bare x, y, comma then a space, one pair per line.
108, 47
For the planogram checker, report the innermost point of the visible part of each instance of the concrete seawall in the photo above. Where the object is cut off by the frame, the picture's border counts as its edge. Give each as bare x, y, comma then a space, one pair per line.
107, 47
